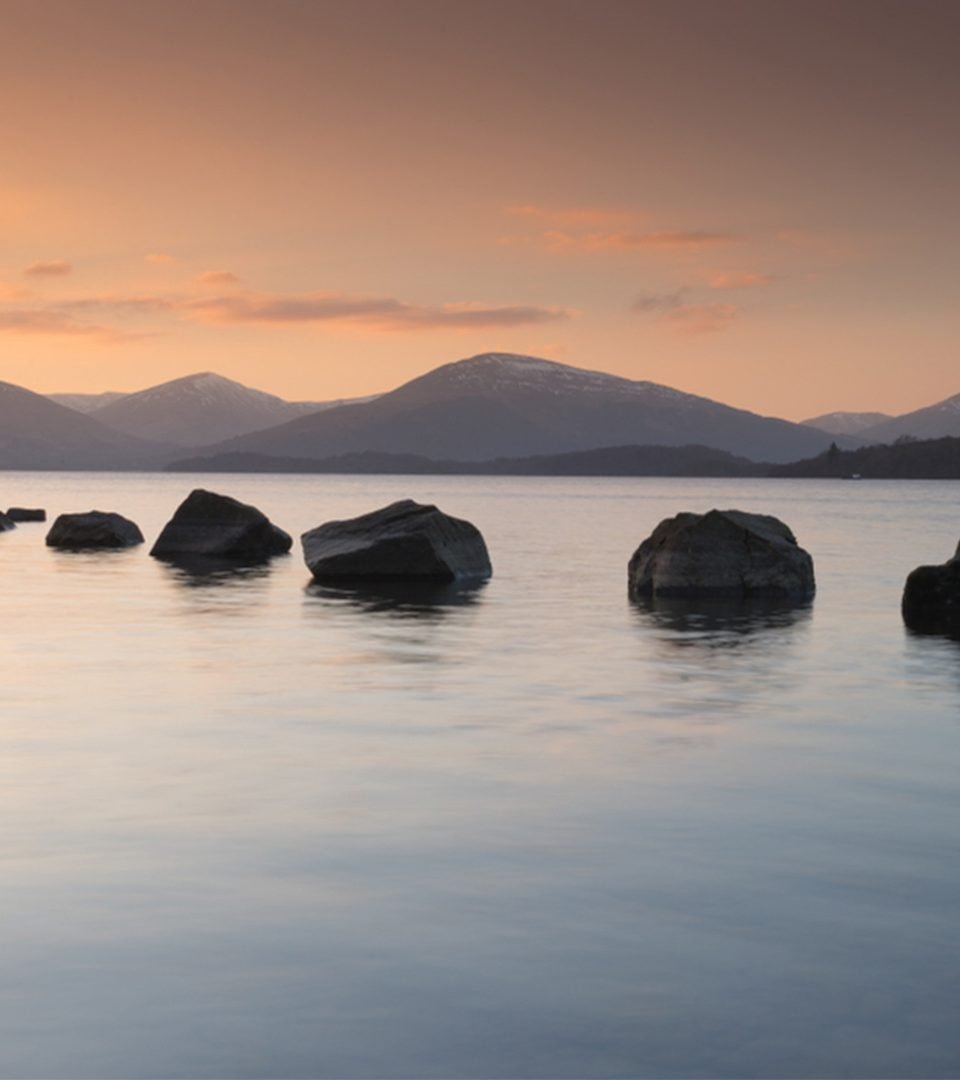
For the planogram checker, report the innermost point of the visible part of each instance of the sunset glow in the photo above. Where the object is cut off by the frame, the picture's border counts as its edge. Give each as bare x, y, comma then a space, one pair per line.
751, 201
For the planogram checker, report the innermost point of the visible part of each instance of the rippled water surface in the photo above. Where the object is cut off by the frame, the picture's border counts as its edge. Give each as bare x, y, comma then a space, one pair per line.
250, 829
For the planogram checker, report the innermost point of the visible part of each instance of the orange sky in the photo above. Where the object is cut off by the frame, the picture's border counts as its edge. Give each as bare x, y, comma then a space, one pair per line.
755, 201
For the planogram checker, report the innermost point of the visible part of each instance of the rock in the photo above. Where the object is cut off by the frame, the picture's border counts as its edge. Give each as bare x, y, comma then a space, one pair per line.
931, 598
721, 553
77, 532
20, 513
209, 525
6, 522
403, 540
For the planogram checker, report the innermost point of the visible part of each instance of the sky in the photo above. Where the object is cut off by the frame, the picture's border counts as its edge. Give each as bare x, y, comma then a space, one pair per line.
753, 201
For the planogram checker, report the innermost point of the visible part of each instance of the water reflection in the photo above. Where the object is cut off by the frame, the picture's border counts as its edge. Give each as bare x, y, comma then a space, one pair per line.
718, 622
206, 572
422, 600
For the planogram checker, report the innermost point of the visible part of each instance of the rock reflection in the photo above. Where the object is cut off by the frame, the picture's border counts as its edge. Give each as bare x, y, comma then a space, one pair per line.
720, 622
422, 600
204, 572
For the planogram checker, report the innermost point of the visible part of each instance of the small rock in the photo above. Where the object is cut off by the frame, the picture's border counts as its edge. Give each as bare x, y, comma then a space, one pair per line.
721, 553
210, 525
403, 540
931, 598
95, 529
6, 522
21, 513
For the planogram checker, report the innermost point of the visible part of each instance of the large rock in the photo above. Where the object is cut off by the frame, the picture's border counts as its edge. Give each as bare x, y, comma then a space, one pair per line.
403, 540
22, 513
6, 522
931, 598
95, 529
209, 525
721, 553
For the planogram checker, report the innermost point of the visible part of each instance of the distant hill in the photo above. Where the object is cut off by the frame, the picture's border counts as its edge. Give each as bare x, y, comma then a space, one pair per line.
931, 422
607, 461
847, 423
37, 433
86, 403
504, 405
196, 409
907, 459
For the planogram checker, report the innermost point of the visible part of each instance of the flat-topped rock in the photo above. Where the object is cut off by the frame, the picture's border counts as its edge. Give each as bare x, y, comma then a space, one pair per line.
403, 540
92, 530
206, 524
721, 553
23, 513
931, 598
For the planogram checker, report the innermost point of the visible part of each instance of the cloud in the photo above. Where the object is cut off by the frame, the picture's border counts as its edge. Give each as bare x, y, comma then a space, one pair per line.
42, 321
12, 292
701, 318
217, 277
656, 303
574, 217
50, 268
738, 279
377, 313
666, 240
158, 258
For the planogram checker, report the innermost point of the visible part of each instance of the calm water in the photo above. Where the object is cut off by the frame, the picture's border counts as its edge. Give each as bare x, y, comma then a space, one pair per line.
250, 831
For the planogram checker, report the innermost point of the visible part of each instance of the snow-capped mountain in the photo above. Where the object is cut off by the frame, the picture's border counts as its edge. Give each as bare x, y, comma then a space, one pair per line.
505, 405
197, 409
932, 422
847, 423
37, 433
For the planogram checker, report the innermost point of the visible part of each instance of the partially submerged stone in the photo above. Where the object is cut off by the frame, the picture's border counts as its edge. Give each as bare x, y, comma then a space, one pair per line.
403, 540
6, 522
931, 598
23, 513
723, 553
206, 524
92, 530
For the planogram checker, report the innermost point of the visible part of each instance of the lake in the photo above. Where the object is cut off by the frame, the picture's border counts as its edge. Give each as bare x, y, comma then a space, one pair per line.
250, 829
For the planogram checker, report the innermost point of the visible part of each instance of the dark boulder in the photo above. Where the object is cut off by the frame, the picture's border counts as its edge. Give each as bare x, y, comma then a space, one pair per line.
6, 522
931, 598
208, 525
723, 553
21, 513
95, 529
403, 540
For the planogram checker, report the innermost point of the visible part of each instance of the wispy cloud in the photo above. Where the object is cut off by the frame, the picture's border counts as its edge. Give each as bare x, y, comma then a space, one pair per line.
36, 321
49, 268
217, 277
701, 318
739, 279
576, 217
657, 303
376, 313
664, 240
159, 258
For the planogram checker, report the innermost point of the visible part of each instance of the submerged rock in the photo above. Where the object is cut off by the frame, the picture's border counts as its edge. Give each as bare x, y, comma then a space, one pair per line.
931, 598
721, 553
208, 524
21, 513
403, 540
6, 522
95, 529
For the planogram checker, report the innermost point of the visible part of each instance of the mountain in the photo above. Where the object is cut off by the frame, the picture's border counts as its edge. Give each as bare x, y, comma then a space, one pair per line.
86, 403
847, 423
504, 405
932, 422
196, 409
37, 433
